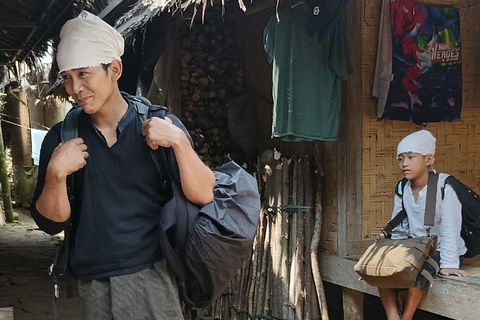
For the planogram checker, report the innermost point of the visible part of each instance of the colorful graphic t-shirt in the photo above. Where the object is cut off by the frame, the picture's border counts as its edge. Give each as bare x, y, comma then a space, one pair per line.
307, 78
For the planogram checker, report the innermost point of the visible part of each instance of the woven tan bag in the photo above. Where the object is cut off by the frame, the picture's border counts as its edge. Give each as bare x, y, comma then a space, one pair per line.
394, 263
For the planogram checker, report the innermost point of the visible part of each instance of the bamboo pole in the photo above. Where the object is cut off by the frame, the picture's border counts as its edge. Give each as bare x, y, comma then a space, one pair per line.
311, 302
322, 301
299, 253
6, 195
263, 287
259, 245
267, 294
293, 239
257, 271
239, 299
284, 272
276, 245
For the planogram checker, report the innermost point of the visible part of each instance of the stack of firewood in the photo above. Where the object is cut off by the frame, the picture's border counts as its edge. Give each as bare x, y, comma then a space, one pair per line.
210, 73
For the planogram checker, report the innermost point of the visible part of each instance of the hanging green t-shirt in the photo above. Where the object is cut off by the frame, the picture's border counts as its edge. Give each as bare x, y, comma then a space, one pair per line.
307, 78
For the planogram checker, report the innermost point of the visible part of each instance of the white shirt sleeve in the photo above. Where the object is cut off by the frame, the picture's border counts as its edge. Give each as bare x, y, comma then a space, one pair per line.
450, 227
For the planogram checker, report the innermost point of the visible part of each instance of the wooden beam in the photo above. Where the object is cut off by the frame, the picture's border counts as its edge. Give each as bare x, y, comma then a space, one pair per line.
451, 297
11, 48
34, 29
354, 125
43, 36
352, 304
16, 24
349, 143
6, 313
109, 8
42, 16
115, 10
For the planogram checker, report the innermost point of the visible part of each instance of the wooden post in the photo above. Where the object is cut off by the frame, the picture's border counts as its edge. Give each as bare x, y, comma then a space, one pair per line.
293, 238
263, 285
352, 304
17, 108
7, 200
285, 270
311, 301
276, 243
299, 302
317, 231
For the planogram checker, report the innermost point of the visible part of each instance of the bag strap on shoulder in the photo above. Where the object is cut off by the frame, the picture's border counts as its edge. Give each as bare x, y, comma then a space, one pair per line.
399, 217
69, 127
146, 110
401, 187
429, 218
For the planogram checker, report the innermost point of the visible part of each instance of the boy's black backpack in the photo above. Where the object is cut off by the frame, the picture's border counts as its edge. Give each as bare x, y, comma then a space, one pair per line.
470, 212
205, 246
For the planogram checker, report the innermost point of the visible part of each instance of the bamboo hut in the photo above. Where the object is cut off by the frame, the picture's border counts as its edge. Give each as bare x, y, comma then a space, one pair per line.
323, 201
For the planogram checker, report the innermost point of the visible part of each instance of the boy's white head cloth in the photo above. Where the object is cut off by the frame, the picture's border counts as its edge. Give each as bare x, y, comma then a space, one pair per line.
88, 41
422, 142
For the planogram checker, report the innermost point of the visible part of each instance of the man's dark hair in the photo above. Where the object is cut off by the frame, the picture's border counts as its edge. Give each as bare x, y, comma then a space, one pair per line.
105, 67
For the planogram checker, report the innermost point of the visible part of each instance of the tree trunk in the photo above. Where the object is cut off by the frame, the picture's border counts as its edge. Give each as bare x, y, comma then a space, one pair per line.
7, 200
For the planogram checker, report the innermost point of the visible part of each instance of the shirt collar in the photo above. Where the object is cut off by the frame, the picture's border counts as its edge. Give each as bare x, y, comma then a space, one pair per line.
127, 117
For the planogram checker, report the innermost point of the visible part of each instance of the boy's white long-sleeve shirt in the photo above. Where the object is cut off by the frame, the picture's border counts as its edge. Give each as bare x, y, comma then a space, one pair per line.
448, 221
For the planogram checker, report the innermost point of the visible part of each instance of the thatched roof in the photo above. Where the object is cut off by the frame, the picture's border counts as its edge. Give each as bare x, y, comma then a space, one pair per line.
28, 26
145, 10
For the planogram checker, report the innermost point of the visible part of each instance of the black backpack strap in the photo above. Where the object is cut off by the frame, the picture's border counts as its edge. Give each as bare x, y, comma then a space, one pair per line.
394, 222
69, 128
400, 187
399, 217
68, 131
452, 181
146, 110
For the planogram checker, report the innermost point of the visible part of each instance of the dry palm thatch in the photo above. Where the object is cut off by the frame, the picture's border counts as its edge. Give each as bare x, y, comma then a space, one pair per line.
145, 10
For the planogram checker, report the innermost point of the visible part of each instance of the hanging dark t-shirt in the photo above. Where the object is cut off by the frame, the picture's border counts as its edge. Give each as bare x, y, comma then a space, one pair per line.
115, 216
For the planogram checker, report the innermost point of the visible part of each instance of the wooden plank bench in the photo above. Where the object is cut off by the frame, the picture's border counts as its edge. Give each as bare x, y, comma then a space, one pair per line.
454, 297
6, 313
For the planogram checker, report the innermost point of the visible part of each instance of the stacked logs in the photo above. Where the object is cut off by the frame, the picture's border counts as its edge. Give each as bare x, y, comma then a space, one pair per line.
281, 280
210, 72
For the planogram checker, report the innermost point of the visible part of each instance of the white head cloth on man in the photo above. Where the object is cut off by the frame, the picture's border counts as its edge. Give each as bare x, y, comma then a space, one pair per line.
88, 41
422, 142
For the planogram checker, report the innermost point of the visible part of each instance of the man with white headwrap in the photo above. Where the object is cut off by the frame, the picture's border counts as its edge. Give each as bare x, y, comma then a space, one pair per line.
114, 246
415, 154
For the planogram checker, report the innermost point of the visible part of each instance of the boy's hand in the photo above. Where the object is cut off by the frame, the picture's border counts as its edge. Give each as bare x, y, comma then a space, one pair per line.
453, 272
68, 158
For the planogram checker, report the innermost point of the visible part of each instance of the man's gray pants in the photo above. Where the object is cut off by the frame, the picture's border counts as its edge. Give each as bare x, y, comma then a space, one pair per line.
150, 294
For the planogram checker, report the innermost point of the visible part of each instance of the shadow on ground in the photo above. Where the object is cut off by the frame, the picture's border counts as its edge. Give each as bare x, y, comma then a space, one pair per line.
25, 255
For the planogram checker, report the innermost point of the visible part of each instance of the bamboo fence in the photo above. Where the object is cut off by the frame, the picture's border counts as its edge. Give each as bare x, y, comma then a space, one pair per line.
277, 282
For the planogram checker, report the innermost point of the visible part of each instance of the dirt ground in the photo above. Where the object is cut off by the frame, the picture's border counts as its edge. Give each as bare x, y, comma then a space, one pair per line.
25, 255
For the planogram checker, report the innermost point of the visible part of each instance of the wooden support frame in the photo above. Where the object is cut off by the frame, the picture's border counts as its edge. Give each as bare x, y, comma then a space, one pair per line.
352, 304
451, 297
350, 143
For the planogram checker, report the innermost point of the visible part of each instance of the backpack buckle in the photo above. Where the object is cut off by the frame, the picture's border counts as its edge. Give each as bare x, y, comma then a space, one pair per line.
50, 270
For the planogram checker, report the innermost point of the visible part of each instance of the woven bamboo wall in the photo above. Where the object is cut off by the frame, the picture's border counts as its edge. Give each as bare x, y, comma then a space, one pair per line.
458, 144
